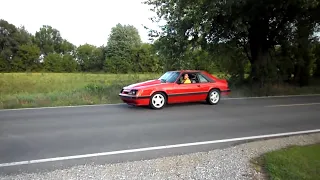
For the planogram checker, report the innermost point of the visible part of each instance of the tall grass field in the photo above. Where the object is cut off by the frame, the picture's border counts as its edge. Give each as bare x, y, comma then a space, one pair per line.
20, 90
62, 89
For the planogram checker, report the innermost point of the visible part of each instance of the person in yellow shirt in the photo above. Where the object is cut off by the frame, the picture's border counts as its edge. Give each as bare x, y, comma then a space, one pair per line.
186, 79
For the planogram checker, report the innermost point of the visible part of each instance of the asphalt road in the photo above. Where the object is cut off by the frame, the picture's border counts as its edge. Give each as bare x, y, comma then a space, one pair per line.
48, 133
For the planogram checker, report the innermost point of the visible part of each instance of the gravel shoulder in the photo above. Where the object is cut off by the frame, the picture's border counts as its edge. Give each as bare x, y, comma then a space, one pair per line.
230, 163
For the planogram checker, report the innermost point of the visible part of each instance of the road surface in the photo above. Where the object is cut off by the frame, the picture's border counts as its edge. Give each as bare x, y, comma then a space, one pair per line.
57, 132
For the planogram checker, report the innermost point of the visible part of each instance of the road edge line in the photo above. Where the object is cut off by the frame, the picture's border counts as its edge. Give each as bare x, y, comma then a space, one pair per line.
115, 104
61, 107
279, 96
156, 148
291, 105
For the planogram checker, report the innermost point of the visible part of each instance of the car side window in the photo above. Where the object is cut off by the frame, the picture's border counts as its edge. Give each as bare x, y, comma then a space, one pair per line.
202, 79
192, 77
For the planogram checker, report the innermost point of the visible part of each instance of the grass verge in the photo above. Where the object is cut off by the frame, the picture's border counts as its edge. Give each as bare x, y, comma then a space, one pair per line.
295, 162
22, 90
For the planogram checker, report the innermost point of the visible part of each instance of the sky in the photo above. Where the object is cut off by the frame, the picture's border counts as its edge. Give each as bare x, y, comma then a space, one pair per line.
79, 21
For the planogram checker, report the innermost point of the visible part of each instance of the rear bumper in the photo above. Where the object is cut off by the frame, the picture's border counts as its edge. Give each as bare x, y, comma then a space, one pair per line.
225, 92
135, 100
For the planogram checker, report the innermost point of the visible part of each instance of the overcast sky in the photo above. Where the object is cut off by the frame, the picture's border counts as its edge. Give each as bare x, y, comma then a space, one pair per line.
79, 21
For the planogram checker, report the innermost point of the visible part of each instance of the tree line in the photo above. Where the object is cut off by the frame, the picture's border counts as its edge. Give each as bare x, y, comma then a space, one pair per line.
272, 41
47, 51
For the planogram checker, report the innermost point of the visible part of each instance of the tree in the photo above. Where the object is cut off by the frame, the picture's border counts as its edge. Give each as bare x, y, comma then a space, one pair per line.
14, 42
256, 26
122, 40
69, 64
49, 40
53, 62
305, 25
171, 52
27, 58
90, 58
9, 44
67, 48
24, 37
144, 59
316, 52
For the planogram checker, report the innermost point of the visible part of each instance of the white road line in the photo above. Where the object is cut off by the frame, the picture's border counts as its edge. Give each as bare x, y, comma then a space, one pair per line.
290, 105
155, 148
57, 107
280, 96
98, 105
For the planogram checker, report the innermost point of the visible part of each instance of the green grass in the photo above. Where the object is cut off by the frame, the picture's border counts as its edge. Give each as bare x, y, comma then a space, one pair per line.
54, 89
18, 90
296, 162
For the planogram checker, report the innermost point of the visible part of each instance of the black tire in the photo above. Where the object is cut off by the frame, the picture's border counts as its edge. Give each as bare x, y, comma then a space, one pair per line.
161, 103
216, 100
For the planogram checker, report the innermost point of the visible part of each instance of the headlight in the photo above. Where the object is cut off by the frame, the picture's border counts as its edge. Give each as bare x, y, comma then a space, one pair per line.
133, 92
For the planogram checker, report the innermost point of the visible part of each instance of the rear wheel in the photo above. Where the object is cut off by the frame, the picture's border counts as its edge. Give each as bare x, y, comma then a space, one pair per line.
213, 97
157, 100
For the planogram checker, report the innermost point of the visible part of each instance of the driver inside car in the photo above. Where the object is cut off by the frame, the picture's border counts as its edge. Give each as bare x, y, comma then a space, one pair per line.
186, 79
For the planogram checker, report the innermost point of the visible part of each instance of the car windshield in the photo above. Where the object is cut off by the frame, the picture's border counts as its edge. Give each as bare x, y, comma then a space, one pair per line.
170, 76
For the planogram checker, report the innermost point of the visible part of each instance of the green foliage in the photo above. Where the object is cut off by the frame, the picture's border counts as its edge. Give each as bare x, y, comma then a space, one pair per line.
9, 45
27, 58
126, 53
67, 48
90, 58
53, 62
253, 29
144, 60
69, 64
122, 40
47, 51
316, 52
48, 39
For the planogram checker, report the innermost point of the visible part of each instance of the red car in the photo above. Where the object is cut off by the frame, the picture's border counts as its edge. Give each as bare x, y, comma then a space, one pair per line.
170, 88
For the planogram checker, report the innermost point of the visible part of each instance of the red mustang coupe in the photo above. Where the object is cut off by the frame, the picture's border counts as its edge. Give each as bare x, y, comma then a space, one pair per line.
176, 87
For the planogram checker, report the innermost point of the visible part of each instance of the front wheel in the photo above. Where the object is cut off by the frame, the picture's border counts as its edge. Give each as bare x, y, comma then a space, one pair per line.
157, 100
213, 97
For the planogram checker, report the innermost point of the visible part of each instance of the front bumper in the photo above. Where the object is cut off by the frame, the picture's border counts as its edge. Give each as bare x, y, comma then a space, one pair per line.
135, 100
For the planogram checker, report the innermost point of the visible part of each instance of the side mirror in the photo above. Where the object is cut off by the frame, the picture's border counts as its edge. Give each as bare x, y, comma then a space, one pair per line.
178, 82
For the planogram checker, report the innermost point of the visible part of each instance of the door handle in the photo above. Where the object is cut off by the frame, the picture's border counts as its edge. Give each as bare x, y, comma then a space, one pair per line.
198, 85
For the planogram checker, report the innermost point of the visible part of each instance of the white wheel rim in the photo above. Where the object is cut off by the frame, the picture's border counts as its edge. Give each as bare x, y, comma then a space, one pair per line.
158, 100
214, 97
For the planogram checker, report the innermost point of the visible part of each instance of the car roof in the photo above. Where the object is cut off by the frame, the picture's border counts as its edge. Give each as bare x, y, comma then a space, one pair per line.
187, 70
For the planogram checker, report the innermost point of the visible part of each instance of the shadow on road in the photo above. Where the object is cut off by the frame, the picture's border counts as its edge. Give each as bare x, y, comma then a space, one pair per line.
178, 105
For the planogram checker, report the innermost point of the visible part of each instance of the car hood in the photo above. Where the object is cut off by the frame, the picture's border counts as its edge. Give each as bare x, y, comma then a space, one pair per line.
144, 83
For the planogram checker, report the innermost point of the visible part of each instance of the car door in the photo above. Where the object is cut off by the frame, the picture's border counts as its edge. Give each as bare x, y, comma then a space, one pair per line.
185, 93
